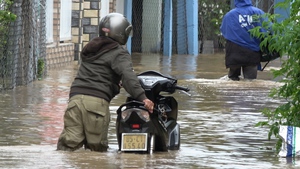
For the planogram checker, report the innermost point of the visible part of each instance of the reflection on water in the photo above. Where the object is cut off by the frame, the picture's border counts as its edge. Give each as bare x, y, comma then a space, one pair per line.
217, 121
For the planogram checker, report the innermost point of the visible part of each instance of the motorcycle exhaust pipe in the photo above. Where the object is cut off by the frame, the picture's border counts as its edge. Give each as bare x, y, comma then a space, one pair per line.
152, 143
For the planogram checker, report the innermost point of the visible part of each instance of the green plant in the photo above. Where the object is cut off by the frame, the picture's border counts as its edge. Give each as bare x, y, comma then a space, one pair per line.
285, 37
6, 16
5, 13
210, 17
40, 68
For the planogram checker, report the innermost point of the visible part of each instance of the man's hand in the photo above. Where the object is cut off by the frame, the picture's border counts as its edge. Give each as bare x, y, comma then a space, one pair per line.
148, 105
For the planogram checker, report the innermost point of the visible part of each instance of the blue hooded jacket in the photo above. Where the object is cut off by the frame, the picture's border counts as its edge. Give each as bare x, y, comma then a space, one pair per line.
237, 23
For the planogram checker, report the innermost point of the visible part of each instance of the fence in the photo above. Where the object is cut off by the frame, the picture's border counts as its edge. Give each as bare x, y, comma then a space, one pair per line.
23, 44
149, 24
161, 26
265, 5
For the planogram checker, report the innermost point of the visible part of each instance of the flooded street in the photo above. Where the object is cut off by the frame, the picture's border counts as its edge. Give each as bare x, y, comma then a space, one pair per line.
216, 122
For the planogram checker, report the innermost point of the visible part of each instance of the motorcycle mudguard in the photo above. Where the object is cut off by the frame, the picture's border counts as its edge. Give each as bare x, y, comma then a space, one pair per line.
174, 138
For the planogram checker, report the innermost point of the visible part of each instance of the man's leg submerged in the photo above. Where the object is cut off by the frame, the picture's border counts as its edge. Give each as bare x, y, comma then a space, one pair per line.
96, 121
86, 123
250, 72
72, 136
234, 73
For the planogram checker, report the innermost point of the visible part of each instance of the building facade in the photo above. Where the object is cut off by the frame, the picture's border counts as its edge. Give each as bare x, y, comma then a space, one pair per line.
71, 24
86, 15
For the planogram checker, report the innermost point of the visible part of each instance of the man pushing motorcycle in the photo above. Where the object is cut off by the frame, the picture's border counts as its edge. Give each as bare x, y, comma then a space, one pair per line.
104, 64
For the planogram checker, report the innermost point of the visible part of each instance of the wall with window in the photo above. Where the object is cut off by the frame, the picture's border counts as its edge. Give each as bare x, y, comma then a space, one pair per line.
70, 29
86, 15
60, 49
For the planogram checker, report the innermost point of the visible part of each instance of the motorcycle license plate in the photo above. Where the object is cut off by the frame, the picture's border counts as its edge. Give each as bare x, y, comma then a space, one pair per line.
134, 142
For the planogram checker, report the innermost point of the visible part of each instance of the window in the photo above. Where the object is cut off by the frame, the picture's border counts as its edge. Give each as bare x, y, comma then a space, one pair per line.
49, 21
65, 20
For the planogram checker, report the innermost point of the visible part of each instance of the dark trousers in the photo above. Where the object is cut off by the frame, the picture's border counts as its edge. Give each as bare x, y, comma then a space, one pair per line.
249, 72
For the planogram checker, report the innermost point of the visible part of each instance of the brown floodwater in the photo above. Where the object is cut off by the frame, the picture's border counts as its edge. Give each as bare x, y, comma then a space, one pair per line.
216, 121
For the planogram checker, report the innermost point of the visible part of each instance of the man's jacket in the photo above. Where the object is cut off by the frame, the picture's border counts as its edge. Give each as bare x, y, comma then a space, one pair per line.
104, 65
237, 23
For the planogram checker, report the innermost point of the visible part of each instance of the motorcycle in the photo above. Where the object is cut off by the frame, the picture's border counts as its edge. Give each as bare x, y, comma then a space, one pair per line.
137, 129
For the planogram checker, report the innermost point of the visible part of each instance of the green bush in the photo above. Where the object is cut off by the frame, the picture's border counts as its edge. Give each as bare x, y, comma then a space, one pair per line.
285, 37
40, 68
6, 14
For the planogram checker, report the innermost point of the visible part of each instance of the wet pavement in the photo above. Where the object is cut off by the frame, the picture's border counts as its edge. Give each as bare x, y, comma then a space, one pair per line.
217, 121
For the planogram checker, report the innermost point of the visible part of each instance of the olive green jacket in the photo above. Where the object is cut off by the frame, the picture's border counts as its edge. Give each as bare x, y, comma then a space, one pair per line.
104, 65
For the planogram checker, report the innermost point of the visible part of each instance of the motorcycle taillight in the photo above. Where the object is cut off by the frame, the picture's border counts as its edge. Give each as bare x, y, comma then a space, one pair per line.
126, 114
142, 114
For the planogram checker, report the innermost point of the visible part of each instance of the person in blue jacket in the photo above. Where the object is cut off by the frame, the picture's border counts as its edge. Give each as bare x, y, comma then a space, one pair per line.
242, 50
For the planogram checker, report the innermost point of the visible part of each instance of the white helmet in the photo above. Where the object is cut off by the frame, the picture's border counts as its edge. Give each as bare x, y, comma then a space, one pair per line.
115, 26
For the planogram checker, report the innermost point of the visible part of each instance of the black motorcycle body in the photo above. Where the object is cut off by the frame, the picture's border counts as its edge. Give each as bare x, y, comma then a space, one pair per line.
138, 130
